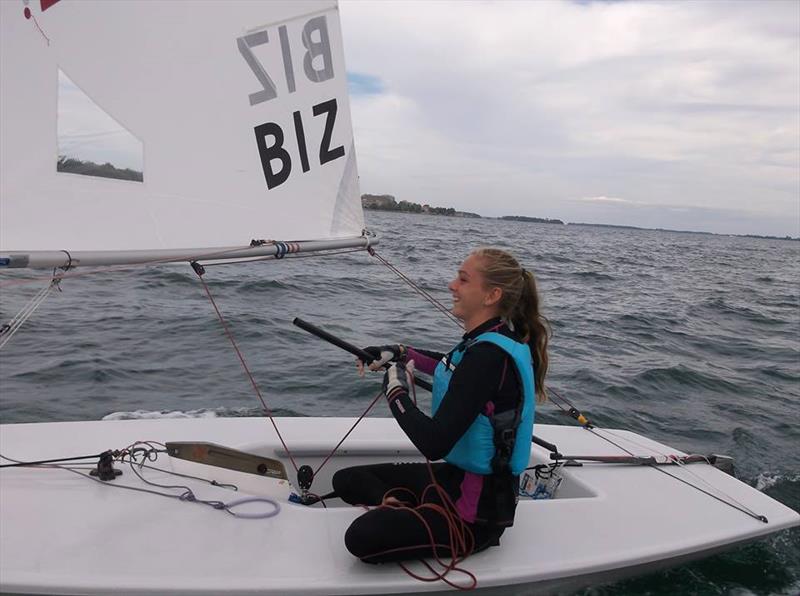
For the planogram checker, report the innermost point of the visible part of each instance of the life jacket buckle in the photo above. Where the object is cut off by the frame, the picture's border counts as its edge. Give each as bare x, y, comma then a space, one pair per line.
508, 437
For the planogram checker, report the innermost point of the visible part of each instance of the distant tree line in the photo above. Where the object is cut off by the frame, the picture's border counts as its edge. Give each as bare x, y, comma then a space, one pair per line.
532, 219
389, 203
90, 168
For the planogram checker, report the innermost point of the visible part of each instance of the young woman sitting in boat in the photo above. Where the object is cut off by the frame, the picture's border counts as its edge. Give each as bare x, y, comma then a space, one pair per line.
483, 407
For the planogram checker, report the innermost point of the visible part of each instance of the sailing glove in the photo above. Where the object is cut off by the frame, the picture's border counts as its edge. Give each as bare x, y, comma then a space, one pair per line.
395, 382
385, 354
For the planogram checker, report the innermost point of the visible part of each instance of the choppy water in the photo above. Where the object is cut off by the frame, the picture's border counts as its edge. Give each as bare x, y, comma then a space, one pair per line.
691, 339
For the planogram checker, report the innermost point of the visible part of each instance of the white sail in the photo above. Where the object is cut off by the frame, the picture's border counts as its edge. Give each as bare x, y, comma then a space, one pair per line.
208, 89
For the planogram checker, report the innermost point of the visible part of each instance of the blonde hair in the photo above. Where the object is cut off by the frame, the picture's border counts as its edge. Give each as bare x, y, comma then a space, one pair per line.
519, 304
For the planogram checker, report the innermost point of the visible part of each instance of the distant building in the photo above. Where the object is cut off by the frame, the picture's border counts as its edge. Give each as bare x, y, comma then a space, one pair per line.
386, 202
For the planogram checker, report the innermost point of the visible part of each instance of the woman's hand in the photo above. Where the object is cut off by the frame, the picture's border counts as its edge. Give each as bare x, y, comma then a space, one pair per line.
395, 380
381, 356
391, 502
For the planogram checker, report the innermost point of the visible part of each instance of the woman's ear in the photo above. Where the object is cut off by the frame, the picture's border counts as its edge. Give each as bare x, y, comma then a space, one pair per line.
493, 296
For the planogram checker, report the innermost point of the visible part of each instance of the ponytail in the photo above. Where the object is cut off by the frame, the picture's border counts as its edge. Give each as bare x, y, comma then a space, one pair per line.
519, 304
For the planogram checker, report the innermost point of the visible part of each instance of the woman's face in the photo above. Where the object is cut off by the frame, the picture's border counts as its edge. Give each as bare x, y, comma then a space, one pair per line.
471, 297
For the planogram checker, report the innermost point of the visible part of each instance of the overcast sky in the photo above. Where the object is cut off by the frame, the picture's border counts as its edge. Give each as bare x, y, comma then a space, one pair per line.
86, 132
682, 115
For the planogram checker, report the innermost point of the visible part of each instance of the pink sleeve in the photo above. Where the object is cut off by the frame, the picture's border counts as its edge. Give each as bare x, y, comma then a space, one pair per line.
422, 363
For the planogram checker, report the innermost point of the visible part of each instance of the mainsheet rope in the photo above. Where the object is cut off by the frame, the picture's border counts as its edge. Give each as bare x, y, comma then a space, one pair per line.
461, 539
200, 271
150, 453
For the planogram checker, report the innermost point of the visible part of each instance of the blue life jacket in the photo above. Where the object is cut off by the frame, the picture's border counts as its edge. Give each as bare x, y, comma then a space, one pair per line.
492, 442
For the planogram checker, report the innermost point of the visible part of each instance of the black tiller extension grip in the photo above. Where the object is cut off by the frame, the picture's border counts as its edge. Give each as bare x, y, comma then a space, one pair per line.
348, 347
366, 357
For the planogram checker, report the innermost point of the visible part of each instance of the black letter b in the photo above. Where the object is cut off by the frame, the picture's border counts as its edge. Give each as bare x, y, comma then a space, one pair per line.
275, 151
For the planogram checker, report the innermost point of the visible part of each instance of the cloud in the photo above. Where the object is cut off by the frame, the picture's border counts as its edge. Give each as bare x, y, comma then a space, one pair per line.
520, 107
602, 199
87, 132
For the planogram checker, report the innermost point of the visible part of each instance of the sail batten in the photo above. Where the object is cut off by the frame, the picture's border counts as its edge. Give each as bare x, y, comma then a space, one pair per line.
245, 126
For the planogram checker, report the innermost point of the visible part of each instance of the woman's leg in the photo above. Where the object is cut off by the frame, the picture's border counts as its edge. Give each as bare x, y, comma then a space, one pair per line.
388, 534
395, 534
366, 485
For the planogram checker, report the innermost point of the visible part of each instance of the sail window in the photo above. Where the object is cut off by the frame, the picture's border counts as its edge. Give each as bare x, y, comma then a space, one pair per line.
90, 141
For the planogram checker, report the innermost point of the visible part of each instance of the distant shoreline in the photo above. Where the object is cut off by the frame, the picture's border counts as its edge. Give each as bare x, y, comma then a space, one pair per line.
388, 203
599, 225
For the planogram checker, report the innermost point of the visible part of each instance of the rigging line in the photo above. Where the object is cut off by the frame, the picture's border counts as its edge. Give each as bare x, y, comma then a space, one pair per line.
8, 330
151, 454
199, 270
51, 464
571, 411
631, 440
186, 496
438, 305
347, 434
360, 418
427, 296
18, 463
735, 504
683, 465
738, 506
731, 502
29, 306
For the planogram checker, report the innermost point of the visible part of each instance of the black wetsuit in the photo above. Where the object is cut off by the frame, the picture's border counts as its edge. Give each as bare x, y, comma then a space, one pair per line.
485, 374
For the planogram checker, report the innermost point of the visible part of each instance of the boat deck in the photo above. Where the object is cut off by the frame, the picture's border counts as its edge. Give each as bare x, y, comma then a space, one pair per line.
63, 534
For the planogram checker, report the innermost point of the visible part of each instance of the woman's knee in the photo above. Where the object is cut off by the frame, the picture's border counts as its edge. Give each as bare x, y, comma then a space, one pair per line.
339, 480
361, 538
346, 485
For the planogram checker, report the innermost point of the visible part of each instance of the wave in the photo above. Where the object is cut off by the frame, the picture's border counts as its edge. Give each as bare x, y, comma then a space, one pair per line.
261, 285
156, 277
552, 258
593, 275
719, 306
767, 480
199, 413
682, 376
74, 371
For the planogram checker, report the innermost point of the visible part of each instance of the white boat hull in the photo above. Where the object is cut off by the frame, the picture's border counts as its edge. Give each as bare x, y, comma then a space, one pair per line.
63, 534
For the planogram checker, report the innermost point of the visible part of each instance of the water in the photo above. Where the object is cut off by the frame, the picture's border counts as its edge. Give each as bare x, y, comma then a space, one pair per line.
691, 339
